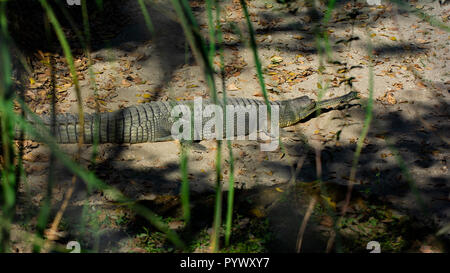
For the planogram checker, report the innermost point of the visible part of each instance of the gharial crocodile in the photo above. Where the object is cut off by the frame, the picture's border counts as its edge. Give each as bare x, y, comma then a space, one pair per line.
152, 122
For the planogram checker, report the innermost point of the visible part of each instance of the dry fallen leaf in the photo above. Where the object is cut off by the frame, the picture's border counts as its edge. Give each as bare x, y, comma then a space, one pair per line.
257, 212
36, 157
138, 80
126, 83
175, 225
388, 98
232, 87
326, 221
428, 249
398, 85
421, 84
391, 99
330, 202
276, 59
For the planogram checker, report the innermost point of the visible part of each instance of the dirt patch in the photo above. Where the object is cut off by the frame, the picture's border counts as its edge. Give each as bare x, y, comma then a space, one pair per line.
404, 160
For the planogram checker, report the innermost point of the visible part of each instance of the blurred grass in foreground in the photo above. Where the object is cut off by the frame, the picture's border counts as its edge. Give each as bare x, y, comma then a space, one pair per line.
204, 49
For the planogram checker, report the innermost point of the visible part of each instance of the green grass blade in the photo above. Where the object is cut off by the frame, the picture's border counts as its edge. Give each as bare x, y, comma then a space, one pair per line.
202, 55
69, 58
148, 21
254, 49
185, 184
230, 196
9, 181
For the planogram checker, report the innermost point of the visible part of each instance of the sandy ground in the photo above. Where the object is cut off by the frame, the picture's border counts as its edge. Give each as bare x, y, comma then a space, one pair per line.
411, 92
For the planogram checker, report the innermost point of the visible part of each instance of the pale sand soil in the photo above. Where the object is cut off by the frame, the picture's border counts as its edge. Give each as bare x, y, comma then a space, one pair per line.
415, 117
